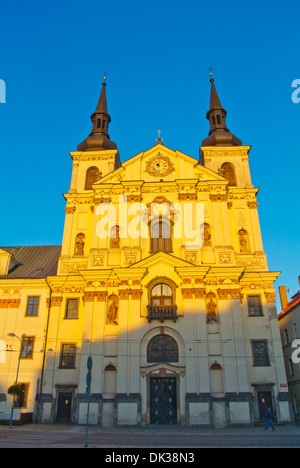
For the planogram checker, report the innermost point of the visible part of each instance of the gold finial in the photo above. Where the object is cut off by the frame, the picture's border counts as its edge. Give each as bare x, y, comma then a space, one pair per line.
211, 73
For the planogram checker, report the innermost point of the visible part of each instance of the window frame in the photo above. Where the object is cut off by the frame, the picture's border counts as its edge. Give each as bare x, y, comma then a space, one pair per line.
170, 341
162, 297
160, 243
27, 314
260, 306
28, 348
93, 177
255, 355
67, 316
67, 360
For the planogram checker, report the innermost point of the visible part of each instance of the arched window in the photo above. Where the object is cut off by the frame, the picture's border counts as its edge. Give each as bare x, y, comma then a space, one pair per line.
79, 244
228, 171
161, 236
216, 378
162, 348
110, 380
161, 295
92, 175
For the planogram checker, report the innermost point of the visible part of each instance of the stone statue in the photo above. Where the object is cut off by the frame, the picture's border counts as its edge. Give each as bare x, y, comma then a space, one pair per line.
112, 314
211, 308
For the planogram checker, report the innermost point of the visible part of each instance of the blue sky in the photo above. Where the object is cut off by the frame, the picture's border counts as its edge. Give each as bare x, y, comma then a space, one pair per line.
156, 54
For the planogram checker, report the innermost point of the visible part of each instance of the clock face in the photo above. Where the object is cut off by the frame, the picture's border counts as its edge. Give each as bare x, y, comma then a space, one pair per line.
159, 166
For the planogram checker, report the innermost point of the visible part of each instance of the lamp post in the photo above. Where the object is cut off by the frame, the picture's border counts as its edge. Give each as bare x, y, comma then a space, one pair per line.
17, 376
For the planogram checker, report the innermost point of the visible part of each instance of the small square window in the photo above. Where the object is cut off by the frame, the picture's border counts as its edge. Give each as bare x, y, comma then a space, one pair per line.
72, 309
254, 306
32, 306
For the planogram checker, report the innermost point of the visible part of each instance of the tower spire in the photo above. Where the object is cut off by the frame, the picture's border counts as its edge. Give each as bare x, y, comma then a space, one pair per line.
99, 138
219, 134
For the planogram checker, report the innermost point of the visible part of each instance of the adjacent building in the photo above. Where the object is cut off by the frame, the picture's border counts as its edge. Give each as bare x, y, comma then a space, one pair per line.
289, 323
161, 279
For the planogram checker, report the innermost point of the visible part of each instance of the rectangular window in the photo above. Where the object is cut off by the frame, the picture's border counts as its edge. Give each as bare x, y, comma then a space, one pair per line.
27, 347
260, 353
32, 306
254, 306
72, 309
68, 356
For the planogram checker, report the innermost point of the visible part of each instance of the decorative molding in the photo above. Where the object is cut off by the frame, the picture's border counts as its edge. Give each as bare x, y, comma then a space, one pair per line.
98, 260
252, 204
218, 197
251, 262
134, 293
270, 297
188, 293
225, 258
159, 165
70, 209
11, 303
73, 267
89, 296
187, 196
232, 293
55, 301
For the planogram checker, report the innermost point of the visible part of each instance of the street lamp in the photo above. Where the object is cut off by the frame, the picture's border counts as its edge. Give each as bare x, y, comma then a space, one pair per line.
17, 376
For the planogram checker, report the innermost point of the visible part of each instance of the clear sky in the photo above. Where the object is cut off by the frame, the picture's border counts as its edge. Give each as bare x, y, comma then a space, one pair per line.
156, 54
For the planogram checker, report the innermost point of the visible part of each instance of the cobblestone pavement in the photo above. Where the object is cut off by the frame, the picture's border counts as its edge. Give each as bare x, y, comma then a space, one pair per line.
149, 438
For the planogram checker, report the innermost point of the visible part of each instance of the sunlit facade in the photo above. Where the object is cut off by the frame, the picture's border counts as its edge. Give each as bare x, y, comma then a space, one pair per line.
162, 279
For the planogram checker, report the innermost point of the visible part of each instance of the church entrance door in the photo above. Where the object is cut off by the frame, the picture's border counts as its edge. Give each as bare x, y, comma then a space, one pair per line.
163, 400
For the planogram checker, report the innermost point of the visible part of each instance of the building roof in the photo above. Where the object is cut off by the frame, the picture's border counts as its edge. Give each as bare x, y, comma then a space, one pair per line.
33, 261
293, 303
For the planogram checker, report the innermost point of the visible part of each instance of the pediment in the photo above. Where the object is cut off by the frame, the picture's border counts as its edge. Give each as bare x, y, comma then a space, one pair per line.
161, 164
162, 259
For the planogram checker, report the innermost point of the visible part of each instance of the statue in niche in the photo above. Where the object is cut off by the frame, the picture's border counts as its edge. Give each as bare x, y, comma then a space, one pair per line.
115, 237
243, 240
79, 244
206, 234
211, 309
113, 307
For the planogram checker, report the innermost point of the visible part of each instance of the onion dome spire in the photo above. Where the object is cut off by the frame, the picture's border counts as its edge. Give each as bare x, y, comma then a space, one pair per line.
219, 134
99, 138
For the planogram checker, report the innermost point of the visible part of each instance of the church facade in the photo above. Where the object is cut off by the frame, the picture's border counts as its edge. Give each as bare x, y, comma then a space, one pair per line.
161, 279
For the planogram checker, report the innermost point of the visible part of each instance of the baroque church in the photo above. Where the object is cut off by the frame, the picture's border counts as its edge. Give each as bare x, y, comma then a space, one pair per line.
161, 279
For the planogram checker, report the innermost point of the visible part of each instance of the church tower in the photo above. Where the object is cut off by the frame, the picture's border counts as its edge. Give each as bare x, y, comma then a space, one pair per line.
95, 157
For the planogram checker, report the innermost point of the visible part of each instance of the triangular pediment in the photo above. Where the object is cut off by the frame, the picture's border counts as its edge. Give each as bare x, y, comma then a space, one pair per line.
161, 258
161, 164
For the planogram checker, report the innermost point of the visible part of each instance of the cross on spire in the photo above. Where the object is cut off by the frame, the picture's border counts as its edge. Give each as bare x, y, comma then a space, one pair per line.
159, 139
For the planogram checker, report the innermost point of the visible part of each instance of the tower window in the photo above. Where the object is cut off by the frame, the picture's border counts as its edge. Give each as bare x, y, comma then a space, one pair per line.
98, 123
228, 171
92, 175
